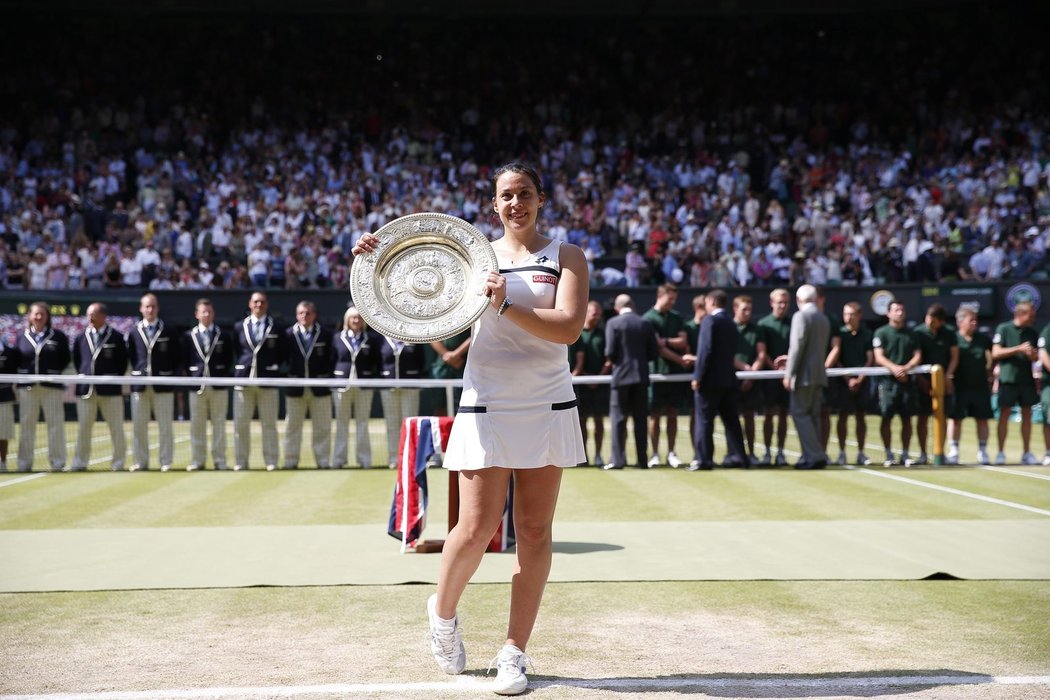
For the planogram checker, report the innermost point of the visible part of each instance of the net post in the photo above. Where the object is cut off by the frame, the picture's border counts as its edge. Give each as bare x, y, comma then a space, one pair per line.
939, 425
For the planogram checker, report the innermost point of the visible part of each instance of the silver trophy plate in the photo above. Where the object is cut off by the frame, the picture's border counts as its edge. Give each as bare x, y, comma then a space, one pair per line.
421, 282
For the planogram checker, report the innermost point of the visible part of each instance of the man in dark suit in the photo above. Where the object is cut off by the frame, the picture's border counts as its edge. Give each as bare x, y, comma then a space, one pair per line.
207, 351
804, 375
311, 354
715, 385
630, 345
153, 349
261, 347
99, 350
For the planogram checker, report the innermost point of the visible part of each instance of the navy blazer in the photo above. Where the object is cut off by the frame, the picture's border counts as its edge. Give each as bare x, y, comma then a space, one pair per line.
314, 360
110, 358
159, 356
264, 360
8, 365
217, 362
630, 344
410, 363
49, 356
367, 360
716, 349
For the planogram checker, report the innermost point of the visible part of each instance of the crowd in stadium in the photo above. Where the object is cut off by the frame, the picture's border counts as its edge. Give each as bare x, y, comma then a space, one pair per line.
807, 162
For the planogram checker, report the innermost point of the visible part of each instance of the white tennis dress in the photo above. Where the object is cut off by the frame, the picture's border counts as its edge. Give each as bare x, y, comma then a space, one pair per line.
518, 407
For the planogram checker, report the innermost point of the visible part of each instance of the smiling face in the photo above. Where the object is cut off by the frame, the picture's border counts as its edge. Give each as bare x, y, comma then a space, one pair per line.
517, 201
258, 304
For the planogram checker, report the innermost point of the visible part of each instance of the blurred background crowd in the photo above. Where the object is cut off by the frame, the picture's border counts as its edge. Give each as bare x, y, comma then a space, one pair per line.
252, 153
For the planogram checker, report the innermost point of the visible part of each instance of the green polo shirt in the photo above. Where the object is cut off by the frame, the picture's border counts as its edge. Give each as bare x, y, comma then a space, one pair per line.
936, 347
972, 374
692, 334
748, 338
668, 325
592, 344
897, 345
438, 368
854, 348
777, 334
1016, 369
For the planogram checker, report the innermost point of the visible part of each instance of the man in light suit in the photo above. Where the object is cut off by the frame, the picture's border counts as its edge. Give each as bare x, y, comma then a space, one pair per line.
630, 345
715, 385
804, 375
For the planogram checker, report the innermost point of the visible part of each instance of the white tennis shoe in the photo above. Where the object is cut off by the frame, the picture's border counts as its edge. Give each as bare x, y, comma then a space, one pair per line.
1029, 459
673, 461
446, 641
510, 666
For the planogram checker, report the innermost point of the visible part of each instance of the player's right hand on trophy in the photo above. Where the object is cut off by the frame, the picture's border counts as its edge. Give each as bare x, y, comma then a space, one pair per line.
365, 244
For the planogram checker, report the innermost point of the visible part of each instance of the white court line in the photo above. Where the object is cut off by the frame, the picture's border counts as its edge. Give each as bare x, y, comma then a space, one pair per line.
23, 479
1017, 472
948, 489
471, 684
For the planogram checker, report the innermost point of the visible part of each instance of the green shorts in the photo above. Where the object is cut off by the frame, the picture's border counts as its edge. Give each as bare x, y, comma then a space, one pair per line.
971, 404
1011, 395
669, 395
593, 400
897, 399
776, 396
845, 401
751, 400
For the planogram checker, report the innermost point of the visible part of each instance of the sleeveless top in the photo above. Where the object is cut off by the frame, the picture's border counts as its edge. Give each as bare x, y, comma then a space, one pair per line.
508, 368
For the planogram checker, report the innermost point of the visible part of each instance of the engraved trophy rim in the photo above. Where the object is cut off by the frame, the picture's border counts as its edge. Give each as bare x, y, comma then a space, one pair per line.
420, 283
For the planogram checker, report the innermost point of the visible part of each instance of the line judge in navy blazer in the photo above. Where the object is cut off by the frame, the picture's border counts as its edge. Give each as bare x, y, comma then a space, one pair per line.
715, 385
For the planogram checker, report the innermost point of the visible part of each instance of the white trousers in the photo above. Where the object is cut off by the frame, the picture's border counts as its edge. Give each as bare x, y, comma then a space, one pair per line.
320, 410
353, 403
398, 404
112, 408
161, 405
208, 406
246, 399
31, 400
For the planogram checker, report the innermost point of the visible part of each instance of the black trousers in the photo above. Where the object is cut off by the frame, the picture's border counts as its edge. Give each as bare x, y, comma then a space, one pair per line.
631, 401
721, 403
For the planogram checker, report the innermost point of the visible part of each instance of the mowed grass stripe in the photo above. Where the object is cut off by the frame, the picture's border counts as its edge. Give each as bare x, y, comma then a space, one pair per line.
1005, 486
361, 497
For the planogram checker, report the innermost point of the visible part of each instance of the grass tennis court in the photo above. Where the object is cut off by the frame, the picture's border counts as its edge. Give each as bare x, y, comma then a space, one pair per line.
731, 583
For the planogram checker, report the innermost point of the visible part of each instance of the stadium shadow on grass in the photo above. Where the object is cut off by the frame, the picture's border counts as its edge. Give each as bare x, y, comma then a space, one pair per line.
861, 684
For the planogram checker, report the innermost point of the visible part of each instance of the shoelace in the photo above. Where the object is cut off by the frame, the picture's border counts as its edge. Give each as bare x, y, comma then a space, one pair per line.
517, 661
446, 641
